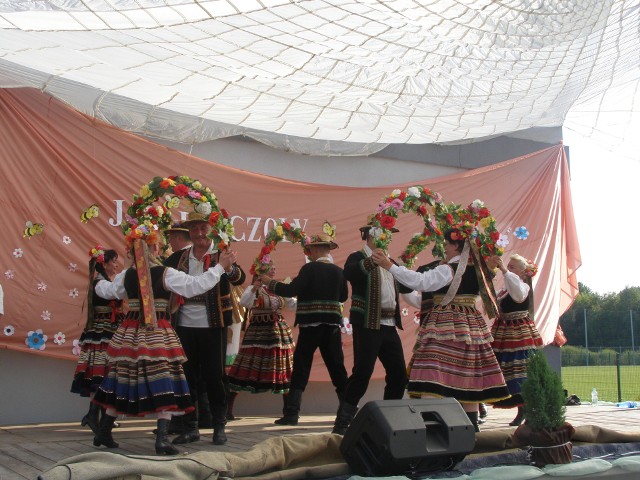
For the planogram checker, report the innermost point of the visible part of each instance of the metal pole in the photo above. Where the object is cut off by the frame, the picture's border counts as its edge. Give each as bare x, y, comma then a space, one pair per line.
633, 348
586, 336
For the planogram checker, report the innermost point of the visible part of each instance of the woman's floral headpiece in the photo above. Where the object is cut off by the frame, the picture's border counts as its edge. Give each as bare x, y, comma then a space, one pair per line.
531, 269
97, 254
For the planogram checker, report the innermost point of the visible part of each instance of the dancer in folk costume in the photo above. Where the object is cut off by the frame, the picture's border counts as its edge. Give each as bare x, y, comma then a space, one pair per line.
145, 356
321, 288
265, 360
515, 336
452, 356
103, 319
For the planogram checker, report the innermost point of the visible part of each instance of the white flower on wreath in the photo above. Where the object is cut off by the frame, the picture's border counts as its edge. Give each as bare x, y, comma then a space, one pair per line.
396, 192
224, 237
413, 191
477, 204
59, 338
375, 232
503, 241
66, 240
72, 267
73, 293
18, 253
46, 315
75, 349
10, 274
42, 286
9, 330
203, 208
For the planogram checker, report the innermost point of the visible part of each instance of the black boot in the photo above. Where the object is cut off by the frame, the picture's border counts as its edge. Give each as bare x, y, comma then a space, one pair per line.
204, 411
163, 446
345, 414
219, 418
92, 418
219, 435
473, 416
519, 417
291, 408
103, 437
231, 398
191, 432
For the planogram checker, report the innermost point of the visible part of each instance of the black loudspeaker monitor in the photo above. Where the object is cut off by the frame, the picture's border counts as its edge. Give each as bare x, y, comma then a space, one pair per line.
407, 437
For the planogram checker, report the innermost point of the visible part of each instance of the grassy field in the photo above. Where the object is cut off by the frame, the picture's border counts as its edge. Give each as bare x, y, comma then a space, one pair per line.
581, 380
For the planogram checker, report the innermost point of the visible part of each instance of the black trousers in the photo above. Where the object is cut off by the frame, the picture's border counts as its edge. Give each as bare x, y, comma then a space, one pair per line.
368, 346
206, 351
329, 340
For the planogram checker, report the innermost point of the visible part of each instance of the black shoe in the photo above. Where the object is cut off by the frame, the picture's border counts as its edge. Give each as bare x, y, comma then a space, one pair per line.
287, 420
163, 446
103, 437
482, 410
219, 436
92, 418
192, 434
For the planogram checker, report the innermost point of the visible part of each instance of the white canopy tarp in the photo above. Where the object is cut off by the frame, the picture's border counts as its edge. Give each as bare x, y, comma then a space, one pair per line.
340, 77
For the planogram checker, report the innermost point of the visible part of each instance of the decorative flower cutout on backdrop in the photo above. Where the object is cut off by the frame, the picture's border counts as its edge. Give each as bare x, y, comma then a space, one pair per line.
9, 330
42, 286
66, 240
521, 232
405, 312
73, 293
72, 267
36, 340
10, 274
59, 338
18, 253
46, 315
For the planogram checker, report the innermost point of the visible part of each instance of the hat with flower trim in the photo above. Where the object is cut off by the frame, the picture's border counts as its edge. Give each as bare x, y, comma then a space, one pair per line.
325, 238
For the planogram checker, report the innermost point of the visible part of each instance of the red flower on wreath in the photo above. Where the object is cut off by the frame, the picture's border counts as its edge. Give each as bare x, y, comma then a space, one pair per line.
213, 218
450, 219
224, 213
387, 221
181, 190
422, 210
286, 225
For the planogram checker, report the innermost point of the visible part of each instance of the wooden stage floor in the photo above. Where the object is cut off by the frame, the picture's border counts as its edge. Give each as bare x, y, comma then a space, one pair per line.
28, 450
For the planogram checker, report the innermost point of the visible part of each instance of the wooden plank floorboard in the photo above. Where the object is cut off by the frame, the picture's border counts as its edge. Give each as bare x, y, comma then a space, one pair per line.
27, 450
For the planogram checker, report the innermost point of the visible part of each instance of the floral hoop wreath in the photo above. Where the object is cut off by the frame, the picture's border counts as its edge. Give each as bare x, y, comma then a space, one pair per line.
145, 220
261, 265
474, 222
418, 200
531, 269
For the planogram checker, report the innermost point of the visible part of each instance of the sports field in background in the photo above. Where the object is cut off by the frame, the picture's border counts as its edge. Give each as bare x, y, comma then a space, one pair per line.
580, 381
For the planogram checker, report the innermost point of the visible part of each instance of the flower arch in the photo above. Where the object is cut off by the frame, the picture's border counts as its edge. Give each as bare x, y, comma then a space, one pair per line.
282, 229
474, 222
145, 220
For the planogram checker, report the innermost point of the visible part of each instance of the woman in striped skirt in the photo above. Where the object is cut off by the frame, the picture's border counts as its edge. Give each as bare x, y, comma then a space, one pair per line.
103, 318
265, 360
145, 358
515, 336
452, 356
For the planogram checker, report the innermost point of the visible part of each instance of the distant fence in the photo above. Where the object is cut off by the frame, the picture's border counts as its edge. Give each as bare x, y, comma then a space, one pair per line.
613, 372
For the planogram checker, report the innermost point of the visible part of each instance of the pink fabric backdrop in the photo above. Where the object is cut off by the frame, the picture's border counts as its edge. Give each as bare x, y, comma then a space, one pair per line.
55, 162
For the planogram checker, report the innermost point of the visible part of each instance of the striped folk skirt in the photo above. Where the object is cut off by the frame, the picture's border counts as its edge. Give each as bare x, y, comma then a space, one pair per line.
265, 360
452, 356
515, 338
92, 361
145, 371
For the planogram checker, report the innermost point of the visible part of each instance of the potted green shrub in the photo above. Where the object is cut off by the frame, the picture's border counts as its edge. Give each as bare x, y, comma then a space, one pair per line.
546, 431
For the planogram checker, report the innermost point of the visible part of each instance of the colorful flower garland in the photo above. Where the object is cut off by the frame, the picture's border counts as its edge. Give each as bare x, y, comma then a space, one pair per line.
146, 220
261, 265
474, 222
97, 253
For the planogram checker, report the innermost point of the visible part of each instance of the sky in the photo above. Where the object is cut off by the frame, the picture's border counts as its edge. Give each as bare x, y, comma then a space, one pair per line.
605, 184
